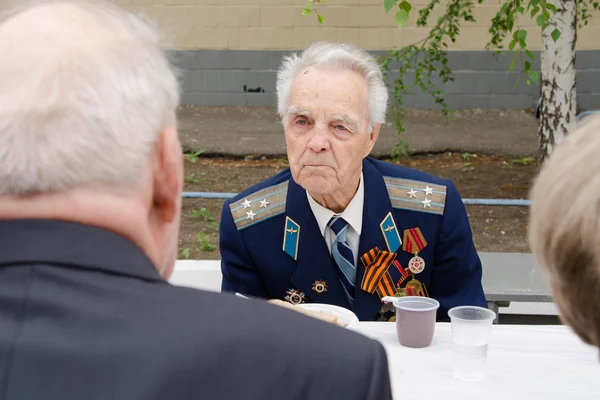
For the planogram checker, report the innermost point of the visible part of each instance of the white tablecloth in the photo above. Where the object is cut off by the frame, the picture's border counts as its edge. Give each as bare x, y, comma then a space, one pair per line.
524, 362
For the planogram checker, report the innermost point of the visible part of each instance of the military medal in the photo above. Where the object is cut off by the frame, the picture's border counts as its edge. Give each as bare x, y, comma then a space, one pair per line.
295, 296
319, 287
416, 264
414, 242
415, 284
416, 287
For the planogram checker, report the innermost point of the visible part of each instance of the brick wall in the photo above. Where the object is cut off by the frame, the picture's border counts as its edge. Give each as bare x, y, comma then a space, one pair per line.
279, 25
229, 50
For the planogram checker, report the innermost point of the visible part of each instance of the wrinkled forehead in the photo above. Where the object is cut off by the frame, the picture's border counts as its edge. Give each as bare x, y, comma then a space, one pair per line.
329, 94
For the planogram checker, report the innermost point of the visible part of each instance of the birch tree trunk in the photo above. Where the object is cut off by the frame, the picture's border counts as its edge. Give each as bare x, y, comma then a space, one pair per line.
558, 110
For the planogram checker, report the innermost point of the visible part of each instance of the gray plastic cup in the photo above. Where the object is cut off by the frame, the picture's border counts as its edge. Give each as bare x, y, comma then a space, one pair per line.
415, 320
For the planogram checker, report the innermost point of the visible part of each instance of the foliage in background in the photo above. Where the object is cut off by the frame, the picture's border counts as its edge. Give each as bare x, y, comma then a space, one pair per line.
423, 66
310, 8
193, 157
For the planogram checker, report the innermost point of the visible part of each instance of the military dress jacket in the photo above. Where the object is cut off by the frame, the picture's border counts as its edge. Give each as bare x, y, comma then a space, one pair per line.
271, 245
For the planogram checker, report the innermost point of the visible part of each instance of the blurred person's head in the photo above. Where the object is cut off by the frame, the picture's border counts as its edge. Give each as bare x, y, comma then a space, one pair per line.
332, 100
564, 230
88, 125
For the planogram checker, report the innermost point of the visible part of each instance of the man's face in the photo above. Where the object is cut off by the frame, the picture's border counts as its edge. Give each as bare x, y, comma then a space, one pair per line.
327, 131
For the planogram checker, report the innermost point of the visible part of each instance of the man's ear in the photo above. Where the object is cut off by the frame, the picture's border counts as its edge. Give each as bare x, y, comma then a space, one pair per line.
373, 136
168, 173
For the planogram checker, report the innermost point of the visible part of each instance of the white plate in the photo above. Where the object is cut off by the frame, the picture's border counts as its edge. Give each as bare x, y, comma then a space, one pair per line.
346, 318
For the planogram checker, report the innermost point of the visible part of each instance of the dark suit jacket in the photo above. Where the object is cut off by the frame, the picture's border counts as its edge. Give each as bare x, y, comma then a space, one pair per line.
84, 315
263, 256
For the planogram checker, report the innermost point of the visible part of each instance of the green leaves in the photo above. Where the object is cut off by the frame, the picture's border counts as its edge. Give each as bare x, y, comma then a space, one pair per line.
531, 74
542, 19
389, 4
519, 37
309, 9
402, 15
401, 18
405, 5
534, 76
505, 26
530, 54
513, 64
555, 34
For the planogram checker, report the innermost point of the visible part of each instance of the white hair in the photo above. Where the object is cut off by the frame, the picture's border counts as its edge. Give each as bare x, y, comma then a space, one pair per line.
86, 91
338, 56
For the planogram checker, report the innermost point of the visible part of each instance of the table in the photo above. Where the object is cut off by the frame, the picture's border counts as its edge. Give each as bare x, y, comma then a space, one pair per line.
524, 362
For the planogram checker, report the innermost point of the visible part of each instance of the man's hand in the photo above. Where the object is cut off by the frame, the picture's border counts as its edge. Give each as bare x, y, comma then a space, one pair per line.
323, 317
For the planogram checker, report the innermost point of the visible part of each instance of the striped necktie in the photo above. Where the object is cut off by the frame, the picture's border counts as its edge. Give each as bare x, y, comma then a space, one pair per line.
343, 256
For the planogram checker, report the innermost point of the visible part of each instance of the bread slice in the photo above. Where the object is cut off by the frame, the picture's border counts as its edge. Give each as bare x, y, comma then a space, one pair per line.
323, 317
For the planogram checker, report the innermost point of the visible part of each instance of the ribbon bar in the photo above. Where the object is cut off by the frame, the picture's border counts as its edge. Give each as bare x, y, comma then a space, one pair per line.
414, 241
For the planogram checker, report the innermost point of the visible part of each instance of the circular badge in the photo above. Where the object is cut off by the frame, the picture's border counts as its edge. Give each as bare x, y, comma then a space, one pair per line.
295, 296
319, 287
416, 265
295, 299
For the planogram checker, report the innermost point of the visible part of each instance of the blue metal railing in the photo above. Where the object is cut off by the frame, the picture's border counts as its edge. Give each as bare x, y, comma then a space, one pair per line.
586, 113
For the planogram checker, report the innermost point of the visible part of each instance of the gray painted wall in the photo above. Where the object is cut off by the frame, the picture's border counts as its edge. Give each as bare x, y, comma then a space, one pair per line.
217, 78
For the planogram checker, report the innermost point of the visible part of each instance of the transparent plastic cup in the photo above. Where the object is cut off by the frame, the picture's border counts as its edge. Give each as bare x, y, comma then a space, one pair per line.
471, 331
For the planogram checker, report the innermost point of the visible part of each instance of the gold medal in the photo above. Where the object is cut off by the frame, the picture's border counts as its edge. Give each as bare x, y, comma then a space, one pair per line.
416, 285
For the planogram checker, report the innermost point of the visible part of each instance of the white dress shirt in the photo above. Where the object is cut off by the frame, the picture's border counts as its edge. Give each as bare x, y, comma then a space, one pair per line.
353, 214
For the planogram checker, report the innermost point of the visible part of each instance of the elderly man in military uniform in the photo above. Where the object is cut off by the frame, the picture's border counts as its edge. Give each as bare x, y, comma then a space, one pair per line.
338, 226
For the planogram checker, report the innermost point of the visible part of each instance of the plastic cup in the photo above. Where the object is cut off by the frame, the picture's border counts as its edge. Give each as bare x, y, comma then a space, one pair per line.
471, 330
415, 320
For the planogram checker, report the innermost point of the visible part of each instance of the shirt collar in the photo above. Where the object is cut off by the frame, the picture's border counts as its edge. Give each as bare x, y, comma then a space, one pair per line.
353, 214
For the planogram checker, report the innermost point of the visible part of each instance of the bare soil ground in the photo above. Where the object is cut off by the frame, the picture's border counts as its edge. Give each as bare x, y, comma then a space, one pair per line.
495, 228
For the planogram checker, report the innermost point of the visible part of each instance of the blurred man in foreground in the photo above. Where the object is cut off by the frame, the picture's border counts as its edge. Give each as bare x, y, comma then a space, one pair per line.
565, 228
90, 194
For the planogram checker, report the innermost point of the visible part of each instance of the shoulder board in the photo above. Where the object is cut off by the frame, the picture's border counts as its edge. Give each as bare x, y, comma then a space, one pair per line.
407, 194
259, 206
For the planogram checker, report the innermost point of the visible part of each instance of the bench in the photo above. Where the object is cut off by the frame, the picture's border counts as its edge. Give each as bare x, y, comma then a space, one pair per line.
511, 281
514, 278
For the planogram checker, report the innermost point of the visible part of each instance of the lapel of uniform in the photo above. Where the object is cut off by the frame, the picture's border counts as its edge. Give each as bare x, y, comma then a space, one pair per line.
308, 248
377, 208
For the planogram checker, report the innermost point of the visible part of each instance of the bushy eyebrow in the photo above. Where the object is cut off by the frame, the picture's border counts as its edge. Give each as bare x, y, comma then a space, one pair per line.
351, 122
292, 110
